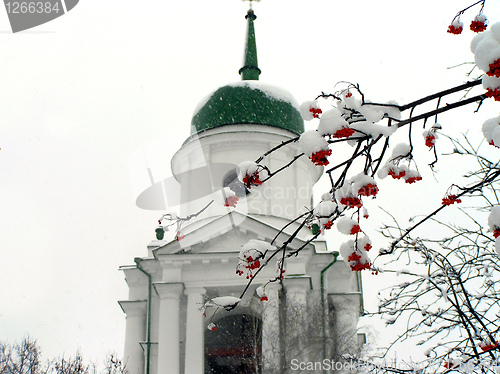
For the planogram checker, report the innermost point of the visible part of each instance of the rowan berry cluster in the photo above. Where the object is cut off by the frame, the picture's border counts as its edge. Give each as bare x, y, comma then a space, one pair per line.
344, 132
261, 293
494, 69
478, 24
179, 236
397, 174
355, 229
451, 199
356, 265
315, 112
368, 190
413, 179
496, 232
495, 93
252, 179
430, 140
320, 158
488, 346
231, 201
351, 202
249, 262
456, 29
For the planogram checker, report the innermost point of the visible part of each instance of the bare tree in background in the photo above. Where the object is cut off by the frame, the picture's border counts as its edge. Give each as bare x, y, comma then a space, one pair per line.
25, 358
448, 300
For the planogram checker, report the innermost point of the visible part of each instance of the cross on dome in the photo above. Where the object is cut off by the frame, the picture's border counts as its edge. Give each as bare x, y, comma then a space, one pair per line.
250, 1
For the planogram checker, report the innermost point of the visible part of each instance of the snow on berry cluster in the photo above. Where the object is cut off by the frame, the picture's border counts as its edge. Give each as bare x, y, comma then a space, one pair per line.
250, 257
249, 174
355, 252
315, 147
310, 110
261, 293
491, 131
456, 27
478, 24
486, 50
325, 213
364, 185
349, 195
487, 345
395, 167
348, 226
349, 119
494, 224
331, 209
332, 123
430, 135
494, 221
226, 197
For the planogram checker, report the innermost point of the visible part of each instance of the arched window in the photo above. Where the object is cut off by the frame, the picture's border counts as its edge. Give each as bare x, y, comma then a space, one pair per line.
231, 180
235, 347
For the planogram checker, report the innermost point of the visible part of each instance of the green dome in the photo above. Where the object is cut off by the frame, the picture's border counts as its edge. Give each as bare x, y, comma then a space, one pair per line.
248, 102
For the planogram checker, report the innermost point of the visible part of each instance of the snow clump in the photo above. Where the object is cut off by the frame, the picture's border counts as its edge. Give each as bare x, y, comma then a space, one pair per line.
332, 123
311, 142
491, 131
486, 50
348, 226
310, 110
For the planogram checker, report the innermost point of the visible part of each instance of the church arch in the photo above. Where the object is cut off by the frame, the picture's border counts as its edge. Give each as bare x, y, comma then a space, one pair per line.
236, 345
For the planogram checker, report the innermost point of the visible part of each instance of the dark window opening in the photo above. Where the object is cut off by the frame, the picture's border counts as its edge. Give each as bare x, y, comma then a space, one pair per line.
235, 347
231, 180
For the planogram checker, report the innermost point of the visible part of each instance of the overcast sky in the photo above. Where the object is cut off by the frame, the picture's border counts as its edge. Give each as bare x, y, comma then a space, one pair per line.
79, 95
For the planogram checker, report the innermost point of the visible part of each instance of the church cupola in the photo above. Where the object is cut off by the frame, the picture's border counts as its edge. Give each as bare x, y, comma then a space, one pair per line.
248, 102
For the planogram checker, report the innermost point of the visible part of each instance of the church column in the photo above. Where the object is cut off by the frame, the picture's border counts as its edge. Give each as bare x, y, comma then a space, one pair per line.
195, 342
296, 340
168, 327
271, 330
344, 309
134, 334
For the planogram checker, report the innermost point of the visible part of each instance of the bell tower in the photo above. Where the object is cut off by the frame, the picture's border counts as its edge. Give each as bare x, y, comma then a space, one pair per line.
166, 333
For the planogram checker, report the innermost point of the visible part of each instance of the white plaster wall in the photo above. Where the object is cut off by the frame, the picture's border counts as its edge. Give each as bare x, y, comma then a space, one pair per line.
285, 195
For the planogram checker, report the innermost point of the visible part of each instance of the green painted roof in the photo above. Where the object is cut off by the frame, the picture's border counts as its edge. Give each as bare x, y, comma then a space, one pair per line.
248, 101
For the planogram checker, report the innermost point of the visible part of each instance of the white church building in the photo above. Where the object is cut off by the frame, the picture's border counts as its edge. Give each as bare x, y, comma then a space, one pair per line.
310, 315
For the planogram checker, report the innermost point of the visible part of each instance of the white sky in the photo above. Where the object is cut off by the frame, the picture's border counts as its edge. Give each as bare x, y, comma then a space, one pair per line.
80, 94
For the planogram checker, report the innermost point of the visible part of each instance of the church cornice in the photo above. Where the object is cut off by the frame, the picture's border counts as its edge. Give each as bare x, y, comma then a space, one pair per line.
215, 229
